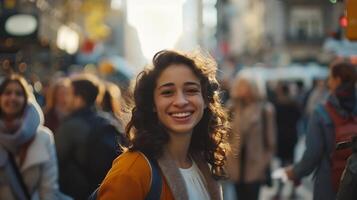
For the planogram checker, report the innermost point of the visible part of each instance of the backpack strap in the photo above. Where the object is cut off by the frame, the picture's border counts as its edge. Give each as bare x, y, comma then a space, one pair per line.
156, 181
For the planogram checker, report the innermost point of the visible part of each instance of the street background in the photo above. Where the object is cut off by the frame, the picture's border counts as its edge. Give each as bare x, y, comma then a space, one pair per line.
269, 41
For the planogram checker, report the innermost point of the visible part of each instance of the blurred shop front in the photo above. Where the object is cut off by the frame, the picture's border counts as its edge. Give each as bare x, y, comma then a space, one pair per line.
42, 37
22, 48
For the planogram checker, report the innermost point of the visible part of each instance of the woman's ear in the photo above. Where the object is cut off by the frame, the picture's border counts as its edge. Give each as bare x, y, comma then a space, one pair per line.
154, 109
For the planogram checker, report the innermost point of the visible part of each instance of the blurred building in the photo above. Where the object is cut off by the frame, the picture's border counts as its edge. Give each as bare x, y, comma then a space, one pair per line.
307, 25
66, 35
245, 19
277, 31
19, 28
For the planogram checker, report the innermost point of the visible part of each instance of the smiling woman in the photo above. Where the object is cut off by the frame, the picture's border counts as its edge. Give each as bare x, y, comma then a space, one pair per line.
25, 144
179, 123
13, 99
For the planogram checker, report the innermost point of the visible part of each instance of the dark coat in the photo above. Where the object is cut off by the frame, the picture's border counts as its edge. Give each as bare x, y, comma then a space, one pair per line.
87, 143
287, 116
52, 120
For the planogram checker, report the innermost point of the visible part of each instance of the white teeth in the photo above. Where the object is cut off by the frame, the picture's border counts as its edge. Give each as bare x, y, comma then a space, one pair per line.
184, 114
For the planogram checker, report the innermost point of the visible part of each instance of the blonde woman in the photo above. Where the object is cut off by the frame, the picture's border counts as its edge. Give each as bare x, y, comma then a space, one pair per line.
253, 137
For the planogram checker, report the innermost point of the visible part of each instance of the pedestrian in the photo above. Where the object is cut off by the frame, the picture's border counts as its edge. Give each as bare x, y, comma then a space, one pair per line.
287, 116
178, 122
27, 150
252, 140
57, 103
87, 141
320, 139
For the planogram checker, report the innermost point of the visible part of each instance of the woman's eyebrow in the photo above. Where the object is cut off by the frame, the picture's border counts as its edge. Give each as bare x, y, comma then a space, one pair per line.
189, 83
192, 83
166, 85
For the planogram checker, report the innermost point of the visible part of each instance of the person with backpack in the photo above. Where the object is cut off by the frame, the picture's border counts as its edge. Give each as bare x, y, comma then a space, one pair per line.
178, 123
332, 125
28, 163
87, 141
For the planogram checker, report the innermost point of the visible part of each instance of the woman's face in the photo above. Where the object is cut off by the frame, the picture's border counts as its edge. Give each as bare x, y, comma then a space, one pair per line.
62, 99
243, 90
12, 100
178, 99
333, 82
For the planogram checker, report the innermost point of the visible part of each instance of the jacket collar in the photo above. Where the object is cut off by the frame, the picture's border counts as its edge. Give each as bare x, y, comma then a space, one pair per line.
175, 180
36, 153
334, 101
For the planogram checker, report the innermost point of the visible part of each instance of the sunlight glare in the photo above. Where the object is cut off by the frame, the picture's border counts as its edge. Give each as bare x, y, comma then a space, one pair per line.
158, 23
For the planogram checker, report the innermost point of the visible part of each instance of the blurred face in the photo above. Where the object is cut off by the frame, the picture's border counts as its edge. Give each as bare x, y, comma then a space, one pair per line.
12, 100
178, 99
243, 90
62, 99
333, 82
71, 98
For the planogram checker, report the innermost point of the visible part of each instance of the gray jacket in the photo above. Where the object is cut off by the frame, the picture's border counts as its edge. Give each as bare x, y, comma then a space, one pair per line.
316, 158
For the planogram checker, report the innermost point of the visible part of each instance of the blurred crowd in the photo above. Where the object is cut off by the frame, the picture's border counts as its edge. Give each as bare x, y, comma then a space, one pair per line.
67, 135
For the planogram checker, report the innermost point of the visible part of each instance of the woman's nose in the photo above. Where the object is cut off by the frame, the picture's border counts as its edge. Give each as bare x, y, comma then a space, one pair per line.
180, 99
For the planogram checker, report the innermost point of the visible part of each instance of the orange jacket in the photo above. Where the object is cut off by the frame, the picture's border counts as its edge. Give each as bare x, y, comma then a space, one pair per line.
130, 178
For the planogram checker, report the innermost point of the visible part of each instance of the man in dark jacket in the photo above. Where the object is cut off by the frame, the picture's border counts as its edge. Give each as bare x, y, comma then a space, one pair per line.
86, 142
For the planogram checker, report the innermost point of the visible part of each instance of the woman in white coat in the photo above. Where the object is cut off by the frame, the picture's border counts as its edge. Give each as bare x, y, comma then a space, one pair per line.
26, 144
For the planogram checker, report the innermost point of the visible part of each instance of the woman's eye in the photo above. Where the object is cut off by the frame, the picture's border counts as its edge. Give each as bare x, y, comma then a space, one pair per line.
166, 92
193, 91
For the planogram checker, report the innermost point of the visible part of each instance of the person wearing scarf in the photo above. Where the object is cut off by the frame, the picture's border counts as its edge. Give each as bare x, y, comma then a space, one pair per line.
31, 144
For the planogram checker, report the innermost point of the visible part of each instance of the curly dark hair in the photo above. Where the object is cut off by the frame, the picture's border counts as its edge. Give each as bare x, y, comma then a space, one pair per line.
209, 135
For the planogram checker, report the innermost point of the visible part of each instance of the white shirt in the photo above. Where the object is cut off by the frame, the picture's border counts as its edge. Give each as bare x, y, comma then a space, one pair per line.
195, 183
